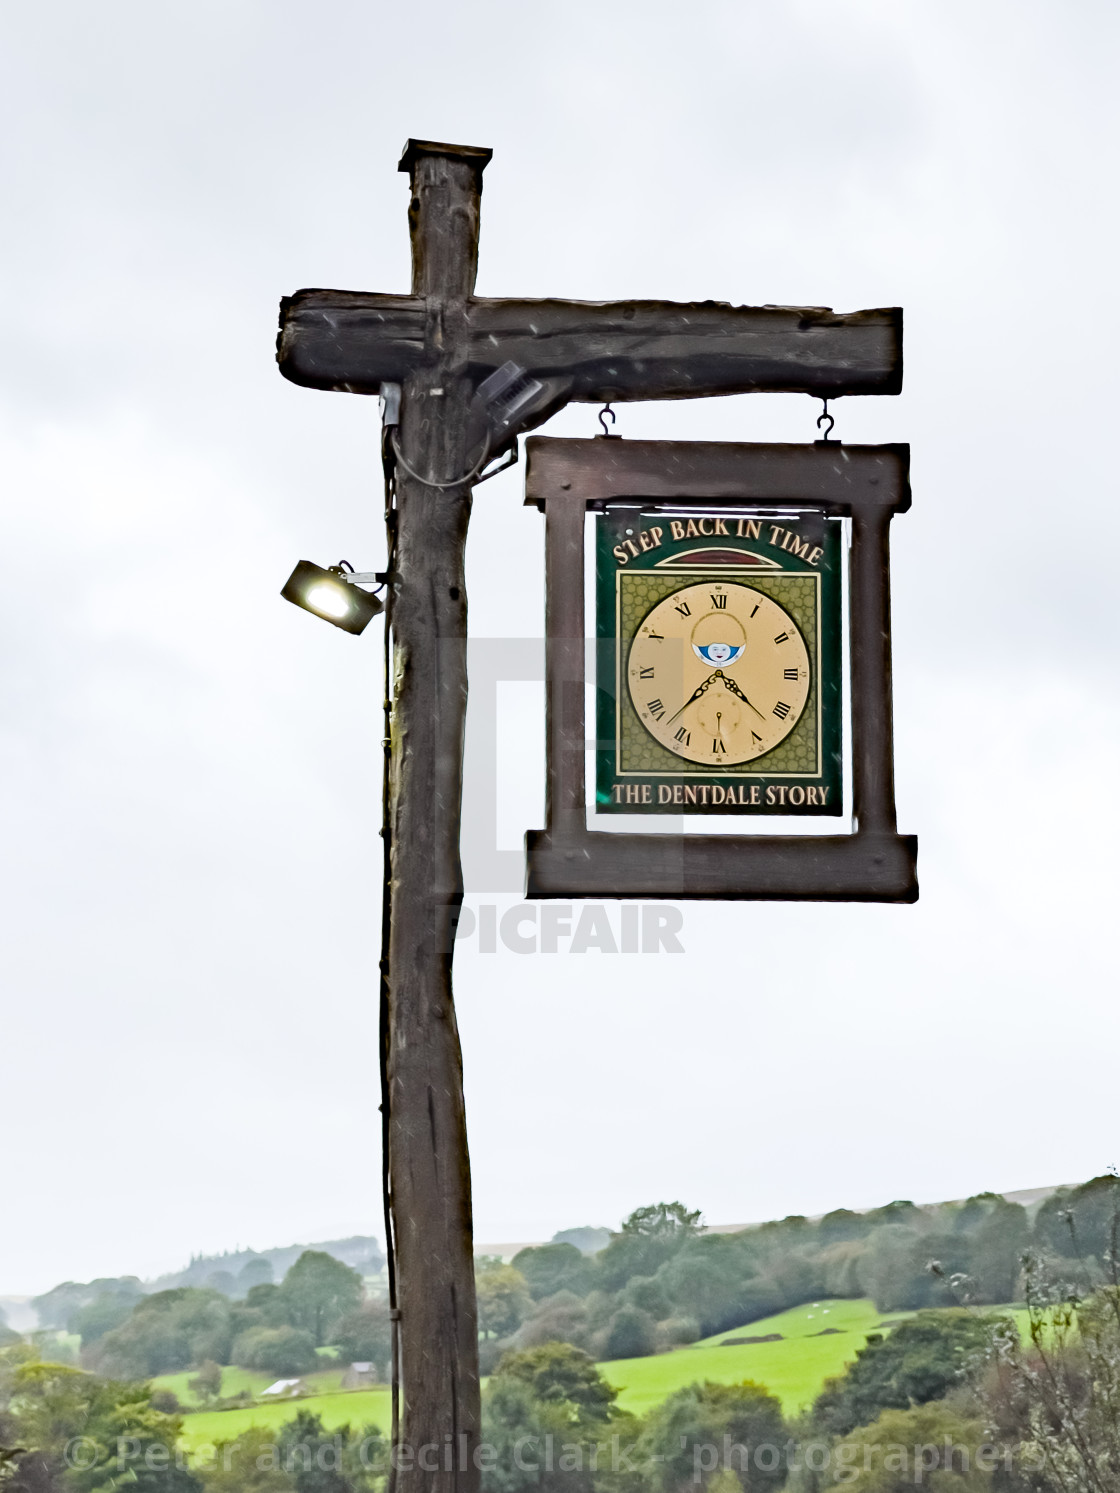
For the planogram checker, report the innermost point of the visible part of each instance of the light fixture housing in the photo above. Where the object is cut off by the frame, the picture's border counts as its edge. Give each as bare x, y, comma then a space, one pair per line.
330, 593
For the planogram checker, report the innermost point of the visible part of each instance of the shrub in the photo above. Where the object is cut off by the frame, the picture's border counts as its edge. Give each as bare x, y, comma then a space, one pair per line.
631, 1334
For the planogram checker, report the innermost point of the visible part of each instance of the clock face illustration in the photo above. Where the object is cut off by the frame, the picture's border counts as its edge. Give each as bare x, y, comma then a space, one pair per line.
718, 673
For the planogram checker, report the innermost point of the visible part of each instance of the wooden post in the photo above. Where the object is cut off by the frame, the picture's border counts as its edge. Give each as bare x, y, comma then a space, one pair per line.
429, 1166
440, 343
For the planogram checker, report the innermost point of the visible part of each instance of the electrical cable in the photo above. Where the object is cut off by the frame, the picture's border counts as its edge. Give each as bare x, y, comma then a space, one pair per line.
441, 486
384, 1031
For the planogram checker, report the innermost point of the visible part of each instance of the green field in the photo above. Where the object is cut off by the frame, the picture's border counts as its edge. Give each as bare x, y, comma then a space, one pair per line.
358, 1407
235, 1381
816, 1342
793, 1369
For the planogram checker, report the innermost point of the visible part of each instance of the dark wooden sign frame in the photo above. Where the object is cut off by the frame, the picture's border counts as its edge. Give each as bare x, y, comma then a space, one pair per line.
869, 484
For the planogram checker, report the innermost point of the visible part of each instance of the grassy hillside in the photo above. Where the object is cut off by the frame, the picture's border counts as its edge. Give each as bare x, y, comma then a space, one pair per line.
793, 1368
815, 1343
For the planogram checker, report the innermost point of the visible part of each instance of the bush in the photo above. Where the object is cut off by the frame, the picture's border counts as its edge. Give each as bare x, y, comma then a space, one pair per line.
563, 1318
922, 1360
207, 1383
677, 1331
631, 1334
276, 1350
703, 1417
932, 1443
559, 1374
647, 1293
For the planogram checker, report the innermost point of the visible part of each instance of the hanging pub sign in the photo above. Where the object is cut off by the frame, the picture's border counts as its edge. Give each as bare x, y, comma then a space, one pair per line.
719, 668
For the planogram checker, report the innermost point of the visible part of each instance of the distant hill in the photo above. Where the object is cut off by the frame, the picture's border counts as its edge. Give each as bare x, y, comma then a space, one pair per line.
232, 1273
361, 1251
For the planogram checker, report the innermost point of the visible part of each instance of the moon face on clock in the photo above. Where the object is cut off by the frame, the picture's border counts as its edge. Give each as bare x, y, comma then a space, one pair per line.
718, 673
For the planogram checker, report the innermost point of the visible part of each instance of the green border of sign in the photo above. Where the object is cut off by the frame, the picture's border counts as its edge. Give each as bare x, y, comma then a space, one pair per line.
811, 756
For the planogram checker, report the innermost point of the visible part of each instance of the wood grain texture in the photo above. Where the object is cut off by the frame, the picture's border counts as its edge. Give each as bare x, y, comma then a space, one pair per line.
428, 1159
622, 350
758, 868
837, 478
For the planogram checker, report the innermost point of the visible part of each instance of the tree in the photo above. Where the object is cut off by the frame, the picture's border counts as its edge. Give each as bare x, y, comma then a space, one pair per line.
516, 1427
563, 1318
715, 1280
648, 1294
207, 1383
893, 1269
318, 1290
365, 1335
684, 1444
58, 1307
256, 1272
549, 1268
101, 1315
648, 1237
46, 1407
934, 1444
842, 1225
318, 1461
168, 1331
558, 1374
276, 1350
631, 1333
248, 1463
299, 1458
921, 1360
265, 1305
999, 1245
503, 1299
1079, 1221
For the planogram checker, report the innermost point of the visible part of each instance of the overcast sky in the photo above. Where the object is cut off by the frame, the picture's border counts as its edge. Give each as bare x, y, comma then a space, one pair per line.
189, 781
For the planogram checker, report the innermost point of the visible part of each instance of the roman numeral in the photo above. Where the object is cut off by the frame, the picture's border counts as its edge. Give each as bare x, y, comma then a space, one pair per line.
783, 637
756, 607
648, 674
756, 737
683, 736
684, 609
720, 603
781, 709
657, 637
718, 746
790, 673
656, 709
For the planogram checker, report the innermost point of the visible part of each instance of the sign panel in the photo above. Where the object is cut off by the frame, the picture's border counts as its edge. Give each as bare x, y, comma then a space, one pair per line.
719, 668
719, 661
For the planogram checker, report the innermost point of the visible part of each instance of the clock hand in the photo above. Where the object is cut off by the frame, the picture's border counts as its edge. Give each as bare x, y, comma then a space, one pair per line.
695, 695
735, 690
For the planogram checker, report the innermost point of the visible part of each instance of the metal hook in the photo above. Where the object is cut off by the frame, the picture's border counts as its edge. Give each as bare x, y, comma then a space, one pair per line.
603, 414
821, 418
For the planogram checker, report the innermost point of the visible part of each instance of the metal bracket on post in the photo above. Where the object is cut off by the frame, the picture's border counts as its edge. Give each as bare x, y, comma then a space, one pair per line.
389, 398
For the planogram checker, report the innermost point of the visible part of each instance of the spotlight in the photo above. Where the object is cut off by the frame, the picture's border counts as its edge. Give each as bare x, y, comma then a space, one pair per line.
332, 594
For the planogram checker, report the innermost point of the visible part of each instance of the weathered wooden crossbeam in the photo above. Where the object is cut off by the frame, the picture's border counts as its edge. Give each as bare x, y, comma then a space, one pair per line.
595, 351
